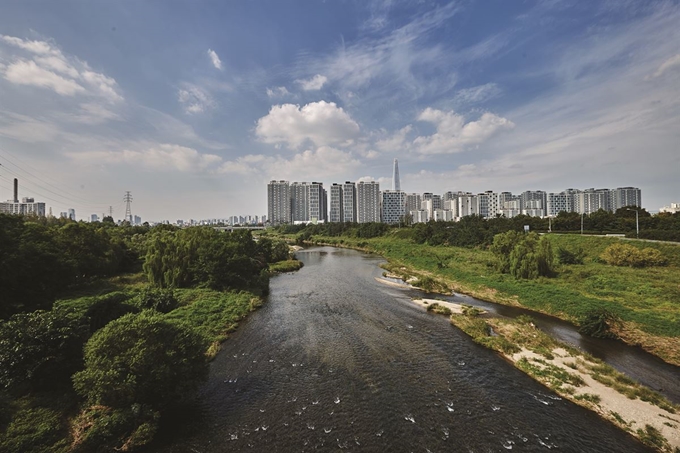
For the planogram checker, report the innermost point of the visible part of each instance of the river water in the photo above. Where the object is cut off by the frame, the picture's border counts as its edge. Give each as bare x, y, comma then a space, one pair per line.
335, 361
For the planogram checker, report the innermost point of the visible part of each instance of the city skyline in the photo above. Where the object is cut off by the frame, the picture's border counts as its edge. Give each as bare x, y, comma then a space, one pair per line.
195, 107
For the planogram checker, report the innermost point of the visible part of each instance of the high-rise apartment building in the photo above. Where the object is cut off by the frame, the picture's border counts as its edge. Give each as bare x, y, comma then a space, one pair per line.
335, 214
278, 202
396, 184
393, 206
349, 202
299, 202
622, 197
413, 202
318, 203
368, 202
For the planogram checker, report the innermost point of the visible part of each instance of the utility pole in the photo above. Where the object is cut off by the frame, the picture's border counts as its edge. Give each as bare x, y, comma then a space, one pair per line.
128, 212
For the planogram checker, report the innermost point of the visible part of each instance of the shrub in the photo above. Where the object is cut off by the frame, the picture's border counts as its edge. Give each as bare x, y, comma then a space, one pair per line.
42, 348
598, 323
141, 358
525, 256
162, 300
439, 309
629, 255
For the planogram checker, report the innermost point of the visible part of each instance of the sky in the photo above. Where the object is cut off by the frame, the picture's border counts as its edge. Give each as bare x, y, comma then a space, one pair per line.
193, 106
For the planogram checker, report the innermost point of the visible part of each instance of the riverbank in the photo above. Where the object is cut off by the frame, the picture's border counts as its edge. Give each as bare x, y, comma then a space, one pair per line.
579, 378
644, 299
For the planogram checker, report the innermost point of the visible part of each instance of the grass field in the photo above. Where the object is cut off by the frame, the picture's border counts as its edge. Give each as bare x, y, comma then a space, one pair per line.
647, 299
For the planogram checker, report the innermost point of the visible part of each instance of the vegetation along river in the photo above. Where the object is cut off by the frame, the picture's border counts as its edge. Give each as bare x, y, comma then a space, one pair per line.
336, 361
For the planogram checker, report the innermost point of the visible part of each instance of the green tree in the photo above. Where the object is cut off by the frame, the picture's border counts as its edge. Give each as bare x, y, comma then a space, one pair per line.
142, 359
502, 247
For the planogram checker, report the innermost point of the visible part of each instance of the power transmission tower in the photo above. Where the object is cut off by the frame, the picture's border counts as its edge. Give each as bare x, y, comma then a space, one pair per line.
111, 212
128, 212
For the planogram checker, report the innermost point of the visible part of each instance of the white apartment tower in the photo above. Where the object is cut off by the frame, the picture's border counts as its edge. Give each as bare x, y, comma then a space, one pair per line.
335, 214
368, 202
299, 202
349, 202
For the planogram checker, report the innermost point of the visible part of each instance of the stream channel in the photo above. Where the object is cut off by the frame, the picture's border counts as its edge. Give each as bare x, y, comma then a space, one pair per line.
336, 361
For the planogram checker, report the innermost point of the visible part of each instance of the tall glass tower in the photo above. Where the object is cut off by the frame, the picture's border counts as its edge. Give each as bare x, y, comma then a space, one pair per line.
395, 176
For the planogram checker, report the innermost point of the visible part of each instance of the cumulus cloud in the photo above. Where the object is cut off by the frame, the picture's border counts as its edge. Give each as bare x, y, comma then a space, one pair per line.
314, 84
454, 134
665, 66
194, 99
311, 164
46, 66
323, 123
162, 157
215, 59
277, 92
396, 141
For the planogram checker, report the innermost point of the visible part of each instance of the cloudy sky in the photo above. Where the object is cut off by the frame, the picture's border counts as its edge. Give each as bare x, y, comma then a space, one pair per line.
194, 106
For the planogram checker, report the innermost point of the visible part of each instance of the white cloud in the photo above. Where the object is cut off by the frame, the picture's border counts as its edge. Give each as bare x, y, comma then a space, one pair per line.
215, 59
454, 134
311, 164
314, 84
665, 66
477, 94
160, 157
323, 123
91, 113
396, 141
194, 99
277, 92
46, 66
29, 73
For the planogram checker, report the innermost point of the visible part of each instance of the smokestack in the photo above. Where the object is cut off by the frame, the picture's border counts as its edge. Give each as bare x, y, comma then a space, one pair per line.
16, 190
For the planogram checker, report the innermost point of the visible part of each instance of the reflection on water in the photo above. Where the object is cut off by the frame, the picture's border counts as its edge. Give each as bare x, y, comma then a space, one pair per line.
335, 361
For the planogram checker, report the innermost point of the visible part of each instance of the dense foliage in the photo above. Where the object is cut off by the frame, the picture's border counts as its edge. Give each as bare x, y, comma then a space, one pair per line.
39, 258
629, 255
204, 256
526, 256
149, 333
141, 358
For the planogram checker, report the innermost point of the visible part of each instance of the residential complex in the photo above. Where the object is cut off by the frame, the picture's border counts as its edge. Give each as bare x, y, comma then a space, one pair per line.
364, 202
27, 206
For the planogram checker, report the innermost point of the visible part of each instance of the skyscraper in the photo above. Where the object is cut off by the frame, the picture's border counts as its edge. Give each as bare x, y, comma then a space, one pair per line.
368, 202
349, 202
396, 185
299, 199
393, 206
336, 203
278, 202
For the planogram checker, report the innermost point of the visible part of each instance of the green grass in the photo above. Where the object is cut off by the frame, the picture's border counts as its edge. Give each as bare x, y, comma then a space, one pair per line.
285, 266
645, 299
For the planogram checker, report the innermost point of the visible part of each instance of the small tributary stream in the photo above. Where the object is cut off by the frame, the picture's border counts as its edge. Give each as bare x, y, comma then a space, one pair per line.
335, 361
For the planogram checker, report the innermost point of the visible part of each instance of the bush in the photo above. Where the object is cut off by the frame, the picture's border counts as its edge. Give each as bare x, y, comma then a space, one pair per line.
629, 255
101, 428
598, 323
41, 349
161, 300
142, 359
439, 309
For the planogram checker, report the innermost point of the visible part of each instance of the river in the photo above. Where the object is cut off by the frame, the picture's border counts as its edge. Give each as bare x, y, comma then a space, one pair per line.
335, 361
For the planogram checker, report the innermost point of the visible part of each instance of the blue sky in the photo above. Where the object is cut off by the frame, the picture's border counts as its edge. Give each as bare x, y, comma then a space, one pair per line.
195, 106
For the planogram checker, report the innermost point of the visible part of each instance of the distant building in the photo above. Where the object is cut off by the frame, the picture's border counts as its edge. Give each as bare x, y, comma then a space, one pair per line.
393, 206
318, 203
137, 220
349, 202
278, 202
299, 202
27, 206
672, 208
368, 202
335, 214
72, 214
94, 218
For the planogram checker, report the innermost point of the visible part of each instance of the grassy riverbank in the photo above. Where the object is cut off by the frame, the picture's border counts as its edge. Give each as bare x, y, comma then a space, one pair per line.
645, 299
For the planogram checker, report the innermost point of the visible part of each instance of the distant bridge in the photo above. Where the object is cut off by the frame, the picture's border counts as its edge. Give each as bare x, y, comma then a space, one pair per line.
232, 228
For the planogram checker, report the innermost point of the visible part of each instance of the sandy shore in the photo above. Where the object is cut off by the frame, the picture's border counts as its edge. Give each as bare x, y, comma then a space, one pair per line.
629, 414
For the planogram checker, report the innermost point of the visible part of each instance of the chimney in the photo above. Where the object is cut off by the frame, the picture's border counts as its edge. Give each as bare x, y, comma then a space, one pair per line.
16, 190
